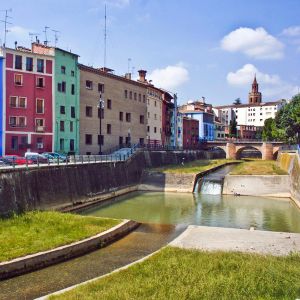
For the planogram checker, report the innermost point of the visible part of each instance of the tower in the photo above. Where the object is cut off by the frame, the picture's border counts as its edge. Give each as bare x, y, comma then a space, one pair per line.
254, 95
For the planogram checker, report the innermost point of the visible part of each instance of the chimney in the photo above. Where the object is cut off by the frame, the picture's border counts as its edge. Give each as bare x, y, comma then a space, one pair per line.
128, 75
16, 44
142, 74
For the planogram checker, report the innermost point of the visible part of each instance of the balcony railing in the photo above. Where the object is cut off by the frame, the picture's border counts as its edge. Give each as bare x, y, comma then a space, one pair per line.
40, 128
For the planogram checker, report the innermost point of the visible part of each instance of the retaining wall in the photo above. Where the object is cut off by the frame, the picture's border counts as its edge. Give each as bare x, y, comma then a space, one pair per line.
55, 187
257, 185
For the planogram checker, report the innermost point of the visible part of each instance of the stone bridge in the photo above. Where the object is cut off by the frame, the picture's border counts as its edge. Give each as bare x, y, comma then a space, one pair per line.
233, 149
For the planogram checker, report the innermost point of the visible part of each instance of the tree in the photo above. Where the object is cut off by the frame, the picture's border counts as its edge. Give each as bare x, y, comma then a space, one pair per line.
237, 101
233, 128
269, 130
288, 121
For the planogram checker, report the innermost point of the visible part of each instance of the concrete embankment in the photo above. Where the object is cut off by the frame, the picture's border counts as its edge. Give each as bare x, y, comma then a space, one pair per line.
242, 240
257, 185
40, 260
57, 187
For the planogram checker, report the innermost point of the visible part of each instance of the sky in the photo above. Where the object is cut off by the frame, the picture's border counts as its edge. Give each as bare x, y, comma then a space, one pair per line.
195, 48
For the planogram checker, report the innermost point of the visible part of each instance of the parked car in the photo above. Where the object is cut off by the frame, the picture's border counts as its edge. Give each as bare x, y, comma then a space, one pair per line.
55, 155
4, 162
16, 160
36, 157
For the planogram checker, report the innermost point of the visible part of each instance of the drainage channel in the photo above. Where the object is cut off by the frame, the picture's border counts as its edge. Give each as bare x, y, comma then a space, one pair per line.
139, 243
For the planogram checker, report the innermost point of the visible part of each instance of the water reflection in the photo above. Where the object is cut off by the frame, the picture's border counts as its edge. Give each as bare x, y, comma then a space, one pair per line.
274, 214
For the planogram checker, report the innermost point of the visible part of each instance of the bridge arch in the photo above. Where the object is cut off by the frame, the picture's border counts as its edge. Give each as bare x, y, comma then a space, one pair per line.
248, 151
218, 152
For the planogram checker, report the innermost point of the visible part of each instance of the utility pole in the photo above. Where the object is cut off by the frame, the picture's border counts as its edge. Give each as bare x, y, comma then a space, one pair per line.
5, 24
55, 37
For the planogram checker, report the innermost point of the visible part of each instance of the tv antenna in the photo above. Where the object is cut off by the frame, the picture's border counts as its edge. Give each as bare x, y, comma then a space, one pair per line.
33, 34
55, 36
128, 66
46, 39
6, 23
105, 36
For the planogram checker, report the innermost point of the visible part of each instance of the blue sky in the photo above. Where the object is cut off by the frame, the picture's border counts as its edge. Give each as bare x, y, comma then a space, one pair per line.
195, 48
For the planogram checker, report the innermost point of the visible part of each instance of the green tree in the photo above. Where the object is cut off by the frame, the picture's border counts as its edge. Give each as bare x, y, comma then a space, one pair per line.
237, 101
233, 128
288, 121
269, 132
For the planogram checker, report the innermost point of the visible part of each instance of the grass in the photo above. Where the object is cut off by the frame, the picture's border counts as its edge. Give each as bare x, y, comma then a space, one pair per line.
196, 166
175, 273
258, 167
33, 232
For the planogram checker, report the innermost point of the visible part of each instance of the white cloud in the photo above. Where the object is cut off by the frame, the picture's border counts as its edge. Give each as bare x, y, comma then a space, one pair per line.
272, 85
292, 31
256, 43
170, 77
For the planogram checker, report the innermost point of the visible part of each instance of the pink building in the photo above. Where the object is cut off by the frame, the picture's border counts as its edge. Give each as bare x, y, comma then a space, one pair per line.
28, 104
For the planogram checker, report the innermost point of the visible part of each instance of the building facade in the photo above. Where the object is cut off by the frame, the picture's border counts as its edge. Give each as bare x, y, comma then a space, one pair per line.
123, 117
190, 132
28, 105
2, 96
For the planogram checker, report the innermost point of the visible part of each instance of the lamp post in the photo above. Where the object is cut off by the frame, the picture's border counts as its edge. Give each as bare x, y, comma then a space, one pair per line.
100, 106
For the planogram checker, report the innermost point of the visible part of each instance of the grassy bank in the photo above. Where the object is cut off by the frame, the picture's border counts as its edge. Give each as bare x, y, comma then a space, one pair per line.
39, 231
258, 167
186, 274
196, 166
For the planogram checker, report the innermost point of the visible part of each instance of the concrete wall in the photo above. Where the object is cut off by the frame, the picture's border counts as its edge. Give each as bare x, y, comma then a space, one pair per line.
290, 162
56, 187
257, 185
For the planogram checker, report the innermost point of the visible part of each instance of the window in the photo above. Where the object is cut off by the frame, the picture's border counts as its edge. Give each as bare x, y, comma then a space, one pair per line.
148, 128
121, 116
108, 104
40, 65
14, 143
142, 119
39, 143
13, 121
142, 141
63, 69
24, 140
59, 87
134, 96
144, 99
18, 62
71, 126
88, 139
63, 87
13, 102
100, 139
62, 109
72, 145
89, 111
22, 102
72, 111
155, 117
29, 63
155, 103
89, 84
148, 114
130, 95
73, 89
128, 117
39, 106
126, 94
72, 73
154, 129
17, 121
140, 97
62, 125
108, 127
40, 82
18, 79
62, 144
101, 87
39, 125
120, 140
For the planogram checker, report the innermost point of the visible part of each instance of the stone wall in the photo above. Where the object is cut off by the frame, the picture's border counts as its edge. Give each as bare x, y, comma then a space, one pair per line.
257, 185
55, 187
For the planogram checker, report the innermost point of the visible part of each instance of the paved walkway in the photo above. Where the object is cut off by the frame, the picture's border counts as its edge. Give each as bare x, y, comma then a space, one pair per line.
231, 239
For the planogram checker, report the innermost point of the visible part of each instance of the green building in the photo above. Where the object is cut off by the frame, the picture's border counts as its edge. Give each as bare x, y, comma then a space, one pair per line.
67, 91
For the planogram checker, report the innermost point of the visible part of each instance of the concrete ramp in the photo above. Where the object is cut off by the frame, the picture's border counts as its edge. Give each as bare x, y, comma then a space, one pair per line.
242, 240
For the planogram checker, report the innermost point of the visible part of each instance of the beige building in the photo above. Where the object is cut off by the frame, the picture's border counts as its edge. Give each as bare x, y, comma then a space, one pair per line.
124, 114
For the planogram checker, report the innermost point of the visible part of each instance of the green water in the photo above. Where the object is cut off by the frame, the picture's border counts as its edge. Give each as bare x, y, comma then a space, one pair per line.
274, 214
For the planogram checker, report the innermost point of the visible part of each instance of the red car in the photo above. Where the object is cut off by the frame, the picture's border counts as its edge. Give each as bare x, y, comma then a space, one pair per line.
16, 160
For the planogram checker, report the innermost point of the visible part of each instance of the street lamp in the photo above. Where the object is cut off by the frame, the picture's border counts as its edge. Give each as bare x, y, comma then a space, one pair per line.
100, 106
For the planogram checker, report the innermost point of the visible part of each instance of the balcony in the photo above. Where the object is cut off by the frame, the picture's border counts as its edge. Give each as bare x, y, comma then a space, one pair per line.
40, 128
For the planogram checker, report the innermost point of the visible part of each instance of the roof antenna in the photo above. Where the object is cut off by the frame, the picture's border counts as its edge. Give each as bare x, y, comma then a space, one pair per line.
55, 37
32, 34
128, 66
5, 23
105, 36
45, 31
